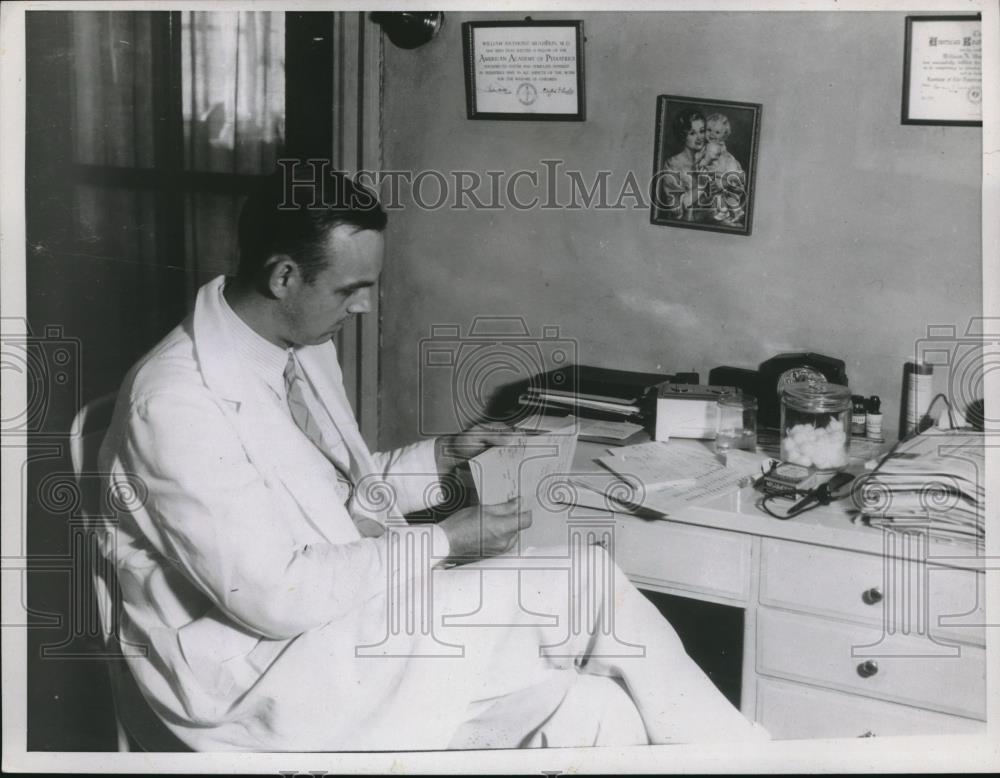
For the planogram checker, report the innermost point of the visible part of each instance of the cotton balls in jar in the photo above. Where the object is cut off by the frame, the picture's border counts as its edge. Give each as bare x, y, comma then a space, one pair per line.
821, 447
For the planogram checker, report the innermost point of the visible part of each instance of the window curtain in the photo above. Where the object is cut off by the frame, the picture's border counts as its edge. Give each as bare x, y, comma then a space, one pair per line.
110, 68
233, 86
112, 73
229, 68
233, 81
230, 72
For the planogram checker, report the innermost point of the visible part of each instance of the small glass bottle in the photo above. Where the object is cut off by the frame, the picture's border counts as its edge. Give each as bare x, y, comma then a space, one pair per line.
816, 425
858, 413
873, 417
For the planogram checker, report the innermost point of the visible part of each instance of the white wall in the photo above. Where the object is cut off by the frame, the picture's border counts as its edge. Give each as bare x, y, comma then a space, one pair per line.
865, 231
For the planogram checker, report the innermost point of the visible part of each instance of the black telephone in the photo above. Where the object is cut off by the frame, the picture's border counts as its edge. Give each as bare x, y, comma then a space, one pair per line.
768, 381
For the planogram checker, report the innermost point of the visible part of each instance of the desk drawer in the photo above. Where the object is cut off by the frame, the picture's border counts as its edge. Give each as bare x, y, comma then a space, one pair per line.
909, 670
683, 557
789, 710
906, 596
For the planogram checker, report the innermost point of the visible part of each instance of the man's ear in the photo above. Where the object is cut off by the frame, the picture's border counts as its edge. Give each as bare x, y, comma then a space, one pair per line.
281, 273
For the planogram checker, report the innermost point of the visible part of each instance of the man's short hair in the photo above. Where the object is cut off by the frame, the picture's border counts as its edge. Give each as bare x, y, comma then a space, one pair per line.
278, 218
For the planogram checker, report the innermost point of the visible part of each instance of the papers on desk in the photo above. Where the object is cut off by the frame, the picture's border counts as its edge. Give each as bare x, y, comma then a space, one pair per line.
655, 465
664, 477
612, 433
532, 466
607, 431
544, 422
936, 479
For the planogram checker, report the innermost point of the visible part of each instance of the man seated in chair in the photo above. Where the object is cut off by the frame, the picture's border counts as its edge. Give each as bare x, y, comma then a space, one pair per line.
259, 562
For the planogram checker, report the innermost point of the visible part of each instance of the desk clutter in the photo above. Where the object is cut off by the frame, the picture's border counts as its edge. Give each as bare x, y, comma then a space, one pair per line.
666, 448
937, 479
663, 478
651, 477
858, 620
680, 405
592, 392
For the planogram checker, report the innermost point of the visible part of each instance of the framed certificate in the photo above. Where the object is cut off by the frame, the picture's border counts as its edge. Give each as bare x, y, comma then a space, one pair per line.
942, 71
524, 70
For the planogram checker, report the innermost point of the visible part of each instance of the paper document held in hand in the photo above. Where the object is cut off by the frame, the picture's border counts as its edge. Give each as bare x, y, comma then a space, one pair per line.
532, 466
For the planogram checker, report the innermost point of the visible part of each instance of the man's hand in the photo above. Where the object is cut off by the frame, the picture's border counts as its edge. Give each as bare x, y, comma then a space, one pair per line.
452, 450
481, 531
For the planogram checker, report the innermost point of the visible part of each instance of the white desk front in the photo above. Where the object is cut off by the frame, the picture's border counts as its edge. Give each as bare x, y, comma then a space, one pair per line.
848, 630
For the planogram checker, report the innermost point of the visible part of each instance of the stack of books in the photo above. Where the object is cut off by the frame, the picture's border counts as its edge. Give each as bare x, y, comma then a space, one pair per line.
594, 393
935, 480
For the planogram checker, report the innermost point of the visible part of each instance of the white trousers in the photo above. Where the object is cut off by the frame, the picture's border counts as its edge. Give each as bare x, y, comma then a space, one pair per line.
573, 656
556, 650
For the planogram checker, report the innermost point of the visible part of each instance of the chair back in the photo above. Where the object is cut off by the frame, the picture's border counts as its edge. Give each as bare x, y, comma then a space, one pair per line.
87, 434
85, 438
145, 731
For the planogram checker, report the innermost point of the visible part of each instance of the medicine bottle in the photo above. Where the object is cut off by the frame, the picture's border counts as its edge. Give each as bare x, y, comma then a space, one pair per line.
858, 413
816, 425
873, 418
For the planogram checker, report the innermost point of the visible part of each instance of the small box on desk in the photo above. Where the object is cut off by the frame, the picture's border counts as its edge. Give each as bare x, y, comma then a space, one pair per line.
687, 410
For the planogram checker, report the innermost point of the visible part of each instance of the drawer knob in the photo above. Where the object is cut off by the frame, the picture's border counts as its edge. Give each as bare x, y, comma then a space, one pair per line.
868, 668
872, 596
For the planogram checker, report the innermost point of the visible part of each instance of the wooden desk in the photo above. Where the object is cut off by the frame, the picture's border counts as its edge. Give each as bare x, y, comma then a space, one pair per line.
848, 630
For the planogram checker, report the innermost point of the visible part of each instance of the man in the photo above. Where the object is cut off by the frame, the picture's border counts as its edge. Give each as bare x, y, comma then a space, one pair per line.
257, 542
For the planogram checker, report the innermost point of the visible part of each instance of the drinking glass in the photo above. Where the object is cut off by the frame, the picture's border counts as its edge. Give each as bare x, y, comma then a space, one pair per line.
736, 422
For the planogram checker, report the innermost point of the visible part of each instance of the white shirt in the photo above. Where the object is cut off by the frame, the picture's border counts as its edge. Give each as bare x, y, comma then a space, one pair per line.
267, 362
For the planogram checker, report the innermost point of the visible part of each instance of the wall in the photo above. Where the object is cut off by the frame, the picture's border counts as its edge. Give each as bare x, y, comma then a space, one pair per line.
865, 231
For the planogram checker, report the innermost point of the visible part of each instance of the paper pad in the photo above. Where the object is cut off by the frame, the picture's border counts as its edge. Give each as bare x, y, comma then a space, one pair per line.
530, 467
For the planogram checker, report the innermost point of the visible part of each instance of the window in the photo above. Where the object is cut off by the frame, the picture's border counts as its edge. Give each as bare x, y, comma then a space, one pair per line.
175, 115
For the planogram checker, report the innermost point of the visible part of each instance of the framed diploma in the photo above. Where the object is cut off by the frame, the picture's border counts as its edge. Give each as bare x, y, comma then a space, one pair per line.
524, 70
942, 71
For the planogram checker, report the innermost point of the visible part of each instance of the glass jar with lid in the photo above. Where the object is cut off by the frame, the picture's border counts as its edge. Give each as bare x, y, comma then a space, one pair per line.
816, 424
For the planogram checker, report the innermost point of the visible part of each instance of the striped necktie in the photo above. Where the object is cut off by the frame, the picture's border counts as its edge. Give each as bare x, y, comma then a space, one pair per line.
303, 418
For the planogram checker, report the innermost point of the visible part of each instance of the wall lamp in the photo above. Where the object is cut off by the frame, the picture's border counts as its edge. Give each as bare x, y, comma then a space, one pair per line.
409, 29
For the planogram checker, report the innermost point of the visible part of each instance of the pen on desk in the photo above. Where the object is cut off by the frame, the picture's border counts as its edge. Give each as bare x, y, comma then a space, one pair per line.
811, 497
822, 493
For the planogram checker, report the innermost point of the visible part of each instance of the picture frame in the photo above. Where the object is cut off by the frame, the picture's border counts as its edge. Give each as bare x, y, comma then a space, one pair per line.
942, 71
524, 70
704, 179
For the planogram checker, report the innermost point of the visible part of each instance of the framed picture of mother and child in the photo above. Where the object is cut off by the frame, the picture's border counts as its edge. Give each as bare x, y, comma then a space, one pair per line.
705, 161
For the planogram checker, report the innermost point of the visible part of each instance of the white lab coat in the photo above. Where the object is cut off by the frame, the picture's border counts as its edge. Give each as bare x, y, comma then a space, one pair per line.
249, 596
